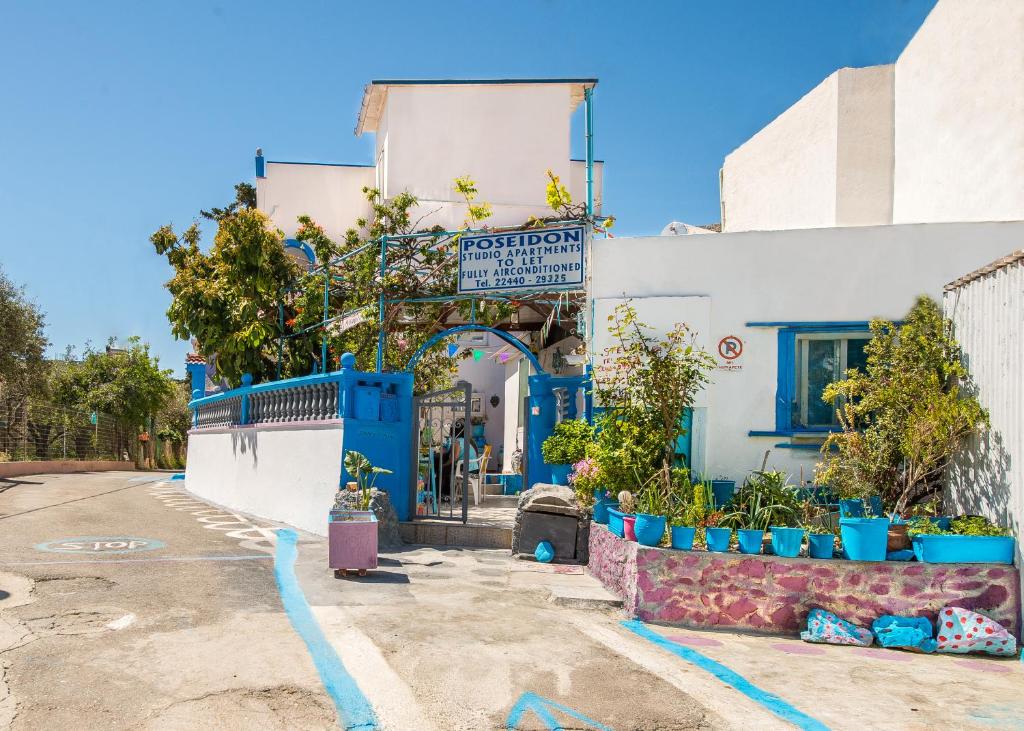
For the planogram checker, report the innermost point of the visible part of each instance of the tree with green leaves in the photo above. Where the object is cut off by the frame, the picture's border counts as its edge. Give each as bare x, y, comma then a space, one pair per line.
229, 299
124, 383
905, 416
23, 368
22, 340
645, 383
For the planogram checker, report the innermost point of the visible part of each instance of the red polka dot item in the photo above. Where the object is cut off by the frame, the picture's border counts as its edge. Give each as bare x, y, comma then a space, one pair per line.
962, 631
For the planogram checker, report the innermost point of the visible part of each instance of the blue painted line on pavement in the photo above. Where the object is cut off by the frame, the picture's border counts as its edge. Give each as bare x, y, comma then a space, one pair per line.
354, 710
541, 706
770, 701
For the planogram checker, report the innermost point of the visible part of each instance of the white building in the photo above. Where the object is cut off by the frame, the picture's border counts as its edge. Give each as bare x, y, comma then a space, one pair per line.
937, 136
504, 134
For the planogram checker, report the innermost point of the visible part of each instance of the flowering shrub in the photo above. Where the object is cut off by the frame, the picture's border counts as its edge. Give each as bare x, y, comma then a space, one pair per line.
586, 477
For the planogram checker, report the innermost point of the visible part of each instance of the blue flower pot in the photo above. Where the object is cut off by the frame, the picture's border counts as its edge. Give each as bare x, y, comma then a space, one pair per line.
615, 524
851, 508
864, 539
750, 540
963, 549
786, 542
875, 503
821, 545
560, 473
682, 537
722, 491
717, 538
601, 510
649, 529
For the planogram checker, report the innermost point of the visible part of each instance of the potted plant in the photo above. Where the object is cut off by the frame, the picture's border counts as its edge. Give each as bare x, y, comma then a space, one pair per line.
566, 446
716, 538
970, 539
627, 506
652, 508
902, 418
352, 534
764, 499
813, 518
688, 507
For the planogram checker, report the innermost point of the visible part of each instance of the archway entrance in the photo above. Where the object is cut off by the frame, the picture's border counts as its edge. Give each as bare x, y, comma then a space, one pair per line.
450, 455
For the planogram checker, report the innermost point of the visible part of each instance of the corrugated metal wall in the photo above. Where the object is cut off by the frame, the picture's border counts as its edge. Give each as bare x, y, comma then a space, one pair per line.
987, 310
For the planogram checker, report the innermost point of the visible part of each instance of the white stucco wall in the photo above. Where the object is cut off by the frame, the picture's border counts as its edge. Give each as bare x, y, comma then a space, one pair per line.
837, 274
504, 137
959, 120
283, 473
825, 161
864, 147
785, 175
331, 194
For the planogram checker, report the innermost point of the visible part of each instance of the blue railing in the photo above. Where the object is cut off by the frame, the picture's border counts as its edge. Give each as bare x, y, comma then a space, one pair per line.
346, 393
318, 397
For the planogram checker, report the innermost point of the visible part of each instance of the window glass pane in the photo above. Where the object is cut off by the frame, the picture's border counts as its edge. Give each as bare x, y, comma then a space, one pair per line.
855, 357
822, 369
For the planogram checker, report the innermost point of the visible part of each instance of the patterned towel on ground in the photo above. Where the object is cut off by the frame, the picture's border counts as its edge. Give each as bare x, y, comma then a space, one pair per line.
912, 633
827, 628
961, 631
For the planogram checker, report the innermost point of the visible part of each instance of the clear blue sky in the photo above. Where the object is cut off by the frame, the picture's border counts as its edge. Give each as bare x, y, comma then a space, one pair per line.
116, 118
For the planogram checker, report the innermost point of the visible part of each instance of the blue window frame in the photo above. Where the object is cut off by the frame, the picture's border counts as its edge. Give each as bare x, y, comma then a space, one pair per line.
810, 356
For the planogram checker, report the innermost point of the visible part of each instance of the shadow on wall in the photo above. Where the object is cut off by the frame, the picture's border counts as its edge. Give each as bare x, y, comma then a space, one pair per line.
979, 480
245, 440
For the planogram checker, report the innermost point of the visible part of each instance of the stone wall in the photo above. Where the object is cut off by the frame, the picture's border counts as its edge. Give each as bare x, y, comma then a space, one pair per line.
771, 594
54, 467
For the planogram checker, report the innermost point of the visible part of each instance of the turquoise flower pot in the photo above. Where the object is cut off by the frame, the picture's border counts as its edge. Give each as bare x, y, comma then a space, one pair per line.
864, 539
718, 538
601, 510
820, 545
750, 540
560, 473
682, 537
615, 524
786, 542
649, 529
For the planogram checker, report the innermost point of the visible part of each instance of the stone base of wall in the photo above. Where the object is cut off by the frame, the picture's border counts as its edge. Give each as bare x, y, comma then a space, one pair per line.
702, 589
54, 467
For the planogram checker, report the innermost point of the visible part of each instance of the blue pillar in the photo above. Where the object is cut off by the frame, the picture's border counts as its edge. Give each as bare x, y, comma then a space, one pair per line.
197, 372
261, 163
542, 418
243, 417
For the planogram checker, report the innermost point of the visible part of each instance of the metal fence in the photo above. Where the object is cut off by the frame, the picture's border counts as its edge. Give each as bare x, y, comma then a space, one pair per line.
41, 431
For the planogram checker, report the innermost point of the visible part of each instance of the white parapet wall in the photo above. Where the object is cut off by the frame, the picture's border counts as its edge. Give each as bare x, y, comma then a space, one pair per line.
283, 472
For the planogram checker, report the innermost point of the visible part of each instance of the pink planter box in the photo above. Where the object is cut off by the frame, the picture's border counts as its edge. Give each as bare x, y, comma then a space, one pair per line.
352, 540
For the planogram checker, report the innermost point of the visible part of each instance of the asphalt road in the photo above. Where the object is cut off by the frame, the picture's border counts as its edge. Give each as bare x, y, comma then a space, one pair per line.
125, 603
187, 634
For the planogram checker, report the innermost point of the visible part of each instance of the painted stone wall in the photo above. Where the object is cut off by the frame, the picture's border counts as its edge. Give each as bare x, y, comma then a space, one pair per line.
771, 594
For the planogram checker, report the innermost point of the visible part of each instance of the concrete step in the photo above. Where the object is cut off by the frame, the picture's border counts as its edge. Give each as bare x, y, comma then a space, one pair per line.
432, 532
583, 596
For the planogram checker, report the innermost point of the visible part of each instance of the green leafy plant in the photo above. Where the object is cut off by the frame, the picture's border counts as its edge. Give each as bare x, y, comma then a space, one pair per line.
568, 442
645, 382
814, 517
686, 500
365, 474
905, 416
968, 525
765, 499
